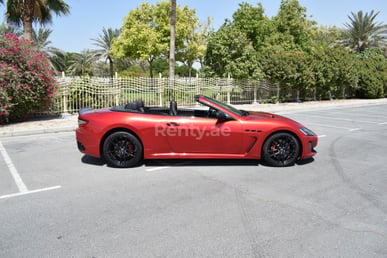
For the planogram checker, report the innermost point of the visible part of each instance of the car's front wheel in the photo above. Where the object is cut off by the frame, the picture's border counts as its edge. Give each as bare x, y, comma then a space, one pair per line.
280, 150
122, 149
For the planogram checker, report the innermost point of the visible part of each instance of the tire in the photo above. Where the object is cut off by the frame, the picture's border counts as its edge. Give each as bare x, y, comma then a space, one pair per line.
281, 150
122, 150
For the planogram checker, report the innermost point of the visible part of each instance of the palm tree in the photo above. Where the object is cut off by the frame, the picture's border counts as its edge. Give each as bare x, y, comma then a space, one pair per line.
58, 59
105, 42
81, 63
40, 38
364, 32
42, 44
26, 12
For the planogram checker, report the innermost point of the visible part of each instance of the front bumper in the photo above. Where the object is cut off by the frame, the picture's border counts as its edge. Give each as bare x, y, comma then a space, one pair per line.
309, 147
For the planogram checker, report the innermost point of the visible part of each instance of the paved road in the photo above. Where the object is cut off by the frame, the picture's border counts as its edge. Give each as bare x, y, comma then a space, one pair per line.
55, 202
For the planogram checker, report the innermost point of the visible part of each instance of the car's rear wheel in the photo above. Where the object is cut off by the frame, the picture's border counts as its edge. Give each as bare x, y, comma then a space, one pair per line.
280, 150
122, 149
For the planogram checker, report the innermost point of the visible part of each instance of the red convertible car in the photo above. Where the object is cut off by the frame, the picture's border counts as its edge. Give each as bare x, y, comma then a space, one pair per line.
125, 135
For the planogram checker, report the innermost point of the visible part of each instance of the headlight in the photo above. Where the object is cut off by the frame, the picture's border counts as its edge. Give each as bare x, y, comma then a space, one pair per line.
307, 132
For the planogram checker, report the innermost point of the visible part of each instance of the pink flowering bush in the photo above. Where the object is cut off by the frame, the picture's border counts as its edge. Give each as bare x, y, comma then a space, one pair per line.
27, 82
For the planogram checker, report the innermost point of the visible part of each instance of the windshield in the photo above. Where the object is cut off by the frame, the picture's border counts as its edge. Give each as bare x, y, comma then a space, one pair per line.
228, 107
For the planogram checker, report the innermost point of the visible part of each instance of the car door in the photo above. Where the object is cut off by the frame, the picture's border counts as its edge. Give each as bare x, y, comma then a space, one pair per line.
203, 135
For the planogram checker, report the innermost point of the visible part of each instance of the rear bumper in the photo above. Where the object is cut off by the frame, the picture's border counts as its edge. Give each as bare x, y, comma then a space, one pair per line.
87, 143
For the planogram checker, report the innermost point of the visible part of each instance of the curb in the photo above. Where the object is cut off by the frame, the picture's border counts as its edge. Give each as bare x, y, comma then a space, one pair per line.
324, 105
37, 131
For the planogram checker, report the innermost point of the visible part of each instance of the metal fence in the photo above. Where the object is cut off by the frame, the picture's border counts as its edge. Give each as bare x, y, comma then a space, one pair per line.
77, 92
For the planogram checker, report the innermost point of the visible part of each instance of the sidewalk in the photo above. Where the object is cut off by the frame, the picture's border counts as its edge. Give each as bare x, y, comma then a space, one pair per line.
40, 126
68, 123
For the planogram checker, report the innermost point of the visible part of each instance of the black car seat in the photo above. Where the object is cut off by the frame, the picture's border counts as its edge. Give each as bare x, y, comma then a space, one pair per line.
173, 108
137, 105
140, 106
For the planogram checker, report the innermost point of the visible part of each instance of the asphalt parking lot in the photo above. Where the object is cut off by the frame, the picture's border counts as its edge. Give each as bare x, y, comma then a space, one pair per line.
56, 202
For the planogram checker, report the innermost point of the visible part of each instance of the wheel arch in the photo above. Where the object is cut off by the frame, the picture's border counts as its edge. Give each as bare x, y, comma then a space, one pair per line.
118, 129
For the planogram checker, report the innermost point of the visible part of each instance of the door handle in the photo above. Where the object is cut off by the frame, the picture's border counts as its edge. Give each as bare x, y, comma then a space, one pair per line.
172, 124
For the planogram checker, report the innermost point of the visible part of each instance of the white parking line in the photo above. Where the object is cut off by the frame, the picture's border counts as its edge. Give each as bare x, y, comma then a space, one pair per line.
16, 177
332, 126
155, 169
30, 192
23, 190
384, 123
341, 119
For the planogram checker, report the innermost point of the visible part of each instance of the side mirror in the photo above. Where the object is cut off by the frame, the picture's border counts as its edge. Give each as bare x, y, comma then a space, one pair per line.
222, 117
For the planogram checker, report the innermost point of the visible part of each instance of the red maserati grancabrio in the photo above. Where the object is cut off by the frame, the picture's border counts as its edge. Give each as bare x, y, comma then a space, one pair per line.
125, 135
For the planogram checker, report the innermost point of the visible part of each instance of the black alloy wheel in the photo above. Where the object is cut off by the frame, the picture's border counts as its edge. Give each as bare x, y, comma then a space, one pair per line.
122, 149
280, 150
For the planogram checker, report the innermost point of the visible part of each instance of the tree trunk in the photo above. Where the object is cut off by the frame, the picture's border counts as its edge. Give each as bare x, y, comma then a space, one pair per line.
172, 45
150, 62
27, 30
189, 64
111, 67
27, 16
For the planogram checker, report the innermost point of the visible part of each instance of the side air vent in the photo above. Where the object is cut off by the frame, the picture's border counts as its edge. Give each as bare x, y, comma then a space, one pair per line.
252, 131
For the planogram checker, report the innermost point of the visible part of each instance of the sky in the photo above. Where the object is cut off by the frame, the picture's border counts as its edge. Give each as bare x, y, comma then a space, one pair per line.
73, 33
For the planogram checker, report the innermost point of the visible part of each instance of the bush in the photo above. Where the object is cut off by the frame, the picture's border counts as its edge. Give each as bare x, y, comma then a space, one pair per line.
27, 82
372, 74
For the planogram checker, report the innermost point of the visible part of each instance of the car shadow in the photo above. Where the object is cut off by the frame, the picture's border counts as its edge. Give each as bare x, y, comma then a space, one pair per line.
191, 162
200, 162
92, 161
178, 162
305, 161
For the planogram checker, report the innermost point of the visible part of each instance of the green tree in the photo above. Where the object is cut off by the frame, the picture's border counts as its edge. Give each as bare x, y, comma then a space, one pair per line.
234, 47
185, 71
146, 32
161, 66
131, 67
105, 41
253, 23
195, 47
321, 66
293, 28
289, 69
372, 74
327, 36
26, 12
81, 63
230, 53
40, 38
364, 32
59, 59
343, 71
43, 44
